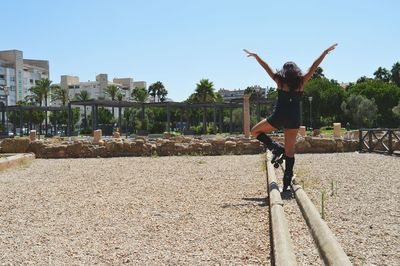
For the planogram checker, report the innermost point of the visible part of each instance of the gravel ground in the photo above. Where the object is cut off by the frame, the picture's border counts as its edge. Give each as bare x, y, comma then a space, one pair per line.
362, 202
161, 210
192, 210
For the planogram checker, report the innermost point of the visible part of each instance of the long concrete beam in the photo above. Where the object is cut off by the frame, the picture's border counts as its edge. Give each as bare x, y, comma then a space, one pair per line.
328, 247
11, 160
282, 243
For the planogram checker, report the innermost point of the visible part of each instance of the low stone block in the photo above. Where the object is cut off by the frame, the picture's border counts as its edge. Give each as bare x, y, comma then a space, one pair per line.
32, 135
302, 131
337, 130
97, 134
17, 145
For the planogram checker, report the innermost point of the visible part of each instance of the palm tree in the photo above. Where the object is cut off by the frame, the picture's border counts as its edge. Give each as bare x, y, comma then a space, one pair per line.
140, 95
59, 94
120, 96
204, 93
382, 74
152, 91
158, 89
44, 85
112, 91
396, 73
41, 91
35, 96
162, 94
83, 96
318, 73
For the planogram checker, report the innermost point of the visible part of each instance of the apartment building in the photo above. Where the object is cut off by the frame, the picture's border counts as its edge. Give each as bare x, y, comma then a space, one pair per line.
97, 88
229, 95
18, 75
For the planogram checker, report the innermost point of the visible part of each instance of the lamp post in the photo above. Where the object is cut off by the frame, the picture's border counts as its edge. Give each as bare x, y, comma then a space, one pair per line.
310, 100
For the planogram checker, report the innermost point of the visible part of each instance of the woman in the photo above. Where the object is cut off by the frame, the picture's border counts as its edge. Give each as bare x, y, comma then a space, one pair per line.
290, 82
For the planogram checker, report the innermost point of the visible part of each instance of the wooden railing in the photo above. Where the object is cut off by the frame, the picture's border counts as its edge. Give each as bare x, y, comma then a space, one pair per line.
386, 140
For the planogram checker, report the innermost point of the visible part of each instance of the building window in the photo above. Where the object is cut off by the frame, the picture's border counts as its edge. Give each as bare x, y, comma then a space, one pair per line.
31, 81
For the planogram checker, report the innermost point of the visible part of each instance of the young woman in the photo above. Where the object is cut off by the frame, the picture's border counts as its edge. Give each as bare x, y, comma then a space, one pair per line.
290, 82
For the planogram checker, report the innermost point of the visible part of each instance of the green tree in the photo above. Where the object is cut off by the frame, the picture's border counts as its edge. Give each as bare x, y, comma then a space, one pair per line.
396, 110
385, 95
44, 86
382, 74
254, 92
204, 93
104, 116
327, 96
120, 96
361, 111
362, 79
140, 95
33, 116
396, 73
83, 96
41, 92
59, 94
35, 96
162, 94
157, 89
112, 91
318, 73
61, 118
152, 91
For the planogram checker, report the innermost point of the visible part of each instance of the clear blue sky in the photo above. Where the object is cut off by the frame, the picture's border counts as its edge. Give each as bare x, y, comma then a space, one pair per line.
180, 42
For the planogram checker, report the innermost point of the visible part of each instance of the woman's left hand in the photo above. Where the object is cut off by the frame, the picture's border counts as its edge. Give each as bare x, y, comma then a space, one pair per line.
250, 53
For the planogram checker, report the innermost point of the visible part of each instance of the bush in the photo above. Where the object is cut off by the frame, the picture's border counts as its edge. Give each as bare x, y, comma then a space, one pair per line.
86, 131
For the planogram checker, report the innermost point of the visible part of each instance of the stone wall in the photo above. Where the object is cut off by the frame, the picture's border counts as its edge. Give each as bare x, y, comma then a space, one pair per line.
57, 148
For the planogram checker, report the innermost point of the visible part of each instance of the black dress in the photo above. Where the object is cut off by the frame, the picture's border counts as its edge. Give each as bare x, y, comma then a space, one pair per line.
287, 110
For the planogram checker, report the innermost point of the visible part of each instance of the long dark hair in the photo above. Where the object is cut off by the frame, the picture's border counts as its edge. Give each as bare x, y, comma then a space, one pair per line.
291, 75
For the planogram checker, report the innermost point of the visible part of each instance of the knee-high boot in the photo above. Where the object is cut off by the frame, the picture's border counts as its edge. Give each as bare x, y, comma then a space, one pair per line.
273, 146
287, 177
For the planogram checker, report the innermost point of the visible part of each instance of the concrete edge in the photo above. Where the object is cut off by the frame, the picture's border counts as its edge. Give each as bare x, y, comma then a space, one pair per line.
329, 248
16, 159
282, 243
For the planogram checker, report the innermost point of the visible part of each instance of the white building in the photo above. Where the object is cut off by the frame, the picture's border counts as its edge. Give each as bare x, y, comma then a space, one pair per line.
18, 75
96, 88
229, 95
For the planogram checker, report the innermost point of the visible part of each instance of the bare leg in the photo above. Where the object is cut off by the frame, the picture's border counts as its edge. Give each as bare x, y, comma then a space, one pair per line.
259, 131
290, 141
262, 127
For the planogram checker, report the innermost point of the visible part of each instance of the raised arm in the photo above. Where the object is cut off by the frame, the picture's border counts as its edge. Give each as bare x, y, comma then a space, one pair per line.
269, 70
316, 63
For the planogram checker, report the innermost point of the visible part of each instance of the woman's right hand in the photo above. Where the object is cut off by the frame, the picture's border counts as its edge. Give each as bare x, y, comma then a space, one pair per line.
331, 48
249, 53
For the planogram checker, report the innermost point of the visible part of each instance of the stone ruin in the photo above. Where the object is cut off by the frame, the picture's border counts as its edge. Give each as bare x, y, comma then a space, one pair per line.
178, 145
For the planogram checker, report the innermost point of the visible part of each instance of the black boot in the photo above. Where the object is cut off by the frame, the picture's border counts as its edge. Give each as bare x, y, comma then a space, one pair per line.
287, 177
276, 149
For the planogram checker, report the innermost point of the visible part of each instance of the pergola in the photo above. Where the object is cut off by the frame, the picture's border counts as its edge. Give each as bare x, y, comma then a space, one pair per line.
169, 106
20, 108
